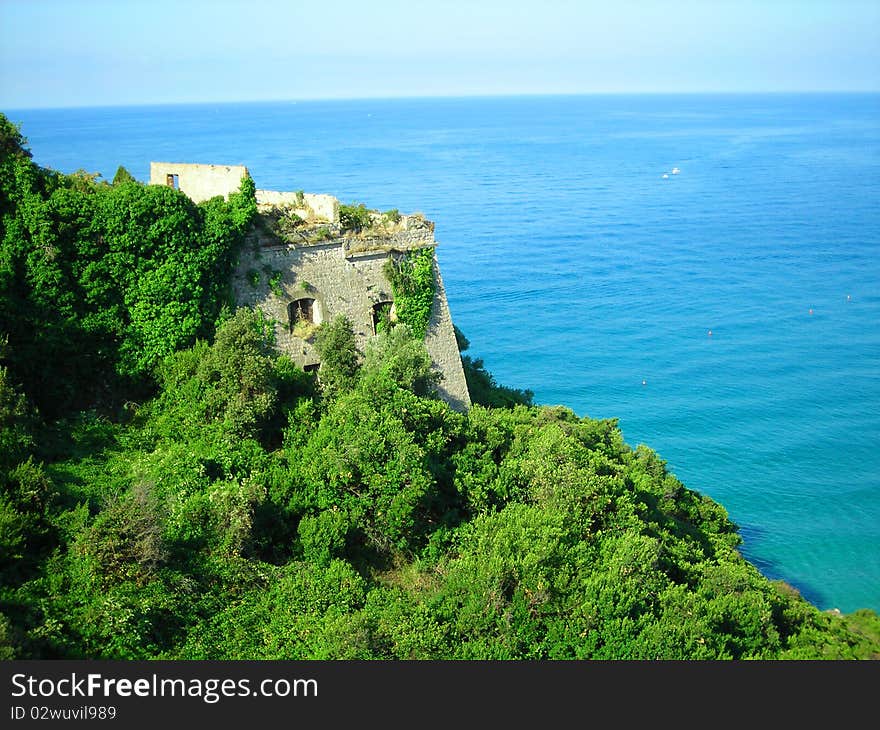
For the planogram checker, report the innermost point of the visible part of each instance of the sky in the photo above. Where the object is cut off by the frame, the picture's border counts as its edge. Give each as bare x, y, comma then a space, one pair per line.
62, 53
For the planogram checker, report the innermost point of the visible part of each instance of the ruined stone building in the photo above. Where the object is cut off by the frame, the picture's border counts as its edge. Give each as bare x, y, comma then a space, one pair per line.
301, 267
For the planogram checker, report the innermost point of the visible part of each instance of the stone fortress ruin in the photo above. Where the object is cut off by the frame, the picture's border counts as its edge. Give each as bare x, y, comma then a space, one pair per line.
301, 266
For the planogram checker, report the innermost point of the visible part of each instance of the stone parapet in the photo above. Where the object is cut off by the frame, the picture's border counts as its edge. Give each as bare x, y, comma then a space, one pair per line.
198, 182
308, 206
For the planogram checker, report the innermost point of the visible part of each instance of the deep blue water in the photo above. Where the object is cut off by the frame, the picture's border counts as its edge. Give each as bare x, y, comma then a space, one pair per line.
578, 271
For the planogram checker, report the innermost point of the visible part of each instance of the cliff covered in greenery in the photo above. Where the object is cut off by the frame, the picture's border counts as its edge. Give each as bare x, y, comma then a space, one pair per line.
172, 487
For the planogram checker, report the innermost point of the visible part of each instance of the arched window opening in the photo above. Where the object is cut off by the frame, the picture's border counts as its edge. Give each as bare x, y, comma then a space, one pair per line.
301, 311
382, 316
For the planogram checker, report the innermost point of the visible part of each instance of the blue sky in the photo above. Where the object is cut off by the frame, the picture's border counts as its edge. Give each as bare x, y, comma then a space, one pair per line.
56, 53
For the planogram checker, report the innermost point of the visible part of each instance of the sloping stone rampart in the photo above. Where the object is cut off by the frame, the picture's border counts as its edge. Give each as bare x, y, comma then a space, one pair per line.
339, 281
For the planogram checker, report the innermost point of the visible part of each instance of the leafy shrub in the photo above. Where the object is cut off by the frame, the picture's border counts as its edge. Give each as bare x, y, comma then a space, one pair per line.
323, 537
398, 356
340, 362
355, 217
412, 280
275, 283
106, 279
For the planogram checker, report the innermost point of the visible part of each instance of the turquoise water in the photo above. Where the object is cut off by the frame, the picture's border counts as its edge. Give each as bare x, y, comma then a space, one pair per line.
578, 271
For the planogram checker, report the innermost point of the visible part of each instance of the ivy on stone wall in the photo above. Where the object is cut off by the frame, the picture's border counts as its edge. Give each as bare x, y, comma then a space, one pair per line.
413, 284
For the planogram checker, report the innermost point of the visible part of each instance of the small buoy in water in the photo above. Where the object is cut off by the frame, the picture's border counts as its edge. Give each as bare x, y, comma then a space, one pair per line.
811, 311
710, 333
644, 382
848, 298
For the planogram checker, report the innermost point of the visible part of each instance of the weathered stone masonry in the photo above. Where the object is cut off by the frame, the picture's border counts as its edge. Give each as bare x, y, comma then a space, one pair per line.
303, 279
199, 182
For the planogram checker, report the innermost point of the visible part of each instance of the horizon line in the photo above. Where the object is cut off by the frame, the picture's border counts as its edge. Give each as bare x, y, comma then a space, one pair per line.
426, 97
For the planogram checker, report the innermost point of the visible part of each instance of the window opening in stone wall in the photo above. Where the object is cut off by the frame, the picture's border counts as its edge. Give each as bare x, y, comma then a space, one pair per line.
172, 181
301, 310
382, 317
302, 317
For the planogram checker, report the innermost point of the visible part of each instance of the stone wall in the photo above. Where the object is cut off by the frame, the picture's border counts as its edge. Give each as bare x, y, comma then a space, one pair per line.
339, 279
443, 349
199, 182
308, 206
319, 268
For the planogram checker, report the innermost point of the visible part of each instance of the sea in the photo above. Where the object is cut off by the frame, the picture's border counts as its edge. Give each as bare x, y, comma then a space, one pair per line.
703, 268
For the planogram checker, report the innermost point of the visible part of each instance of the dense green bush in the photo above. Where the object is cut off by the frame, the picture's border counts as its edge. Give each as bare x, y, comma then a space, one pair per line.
355, 217
340, 361
99, 282
414, 284
397, 355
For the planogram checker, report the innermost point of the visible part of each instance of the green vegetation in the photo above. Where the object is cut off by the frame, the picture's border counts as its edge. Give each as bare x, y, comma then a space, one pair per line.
99, 282
122, 176
339, 356
239, 508
322, 233
355, 217
413, 283
275, 282
364, 228
383, 317
287, 224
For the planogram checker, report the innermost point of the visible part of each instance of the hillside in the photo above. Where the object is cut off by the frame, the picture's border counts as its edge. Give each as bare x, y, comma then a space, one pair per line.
171, 486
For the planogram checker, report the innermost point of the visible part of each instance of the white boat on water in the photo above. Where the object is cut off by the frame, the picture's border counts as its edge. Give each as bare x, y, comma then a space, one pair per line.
675, 171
